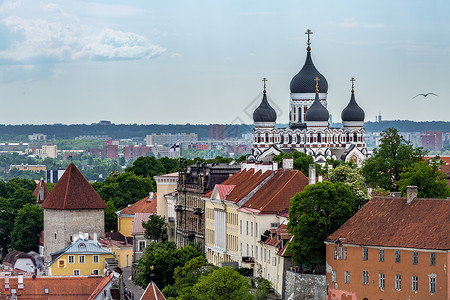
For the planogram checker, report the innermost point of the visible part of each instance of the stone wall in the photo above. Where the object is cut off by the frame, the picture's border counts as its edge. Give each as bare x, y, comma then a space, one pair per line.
305, 286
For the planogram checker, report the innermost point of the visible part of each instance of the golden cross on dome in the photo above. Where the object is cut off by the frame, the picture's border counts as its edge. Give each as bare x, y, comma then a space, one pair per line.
264, 79
353, 84
308, 32
317, 84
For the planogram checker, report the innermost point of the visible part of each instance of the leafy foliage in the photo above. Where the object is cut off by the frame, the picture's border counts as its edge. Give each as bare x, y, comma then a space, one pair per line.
7, 214
160, 261
110, 217
352, 177
188, 275
154, 227
393, 157
314, 214
224, 283
27, 226
430, 181
301, 161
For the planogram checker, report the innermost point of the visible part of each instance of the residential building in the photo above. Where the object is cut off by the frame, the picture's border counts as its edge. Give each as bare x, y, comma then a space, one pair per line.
126, 216
20, 261
392, 248
54, 175
111, 151
82, 257
120, 246
47, 151
309, 128
193, 182
30, 168
166, 186
432, 140
170, 139
217, 132
138, 234
135, 151
72, 207
37, 137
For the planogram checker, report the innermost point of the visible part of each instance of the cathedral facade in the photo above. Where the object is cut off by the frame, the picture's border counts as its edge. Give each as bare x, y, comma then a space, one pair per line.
309, 128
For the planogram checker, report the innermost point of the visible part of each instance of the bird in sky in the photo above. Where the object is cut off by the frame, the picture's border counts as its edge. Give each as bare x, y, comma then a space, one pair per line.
425, 95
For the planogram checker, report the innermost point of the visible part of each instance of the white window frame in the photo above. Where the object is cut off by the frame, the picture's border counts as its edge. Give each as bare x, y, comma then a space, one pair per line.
432, 258
381, 283
397, 256
81, 259
71, 259
365, 277
415, 257
94, 271
94, 259
76, 272
340, 252
346, 277
142, 242
415, 283
333, 276
381, 255
432, 283
398, 282
365, 254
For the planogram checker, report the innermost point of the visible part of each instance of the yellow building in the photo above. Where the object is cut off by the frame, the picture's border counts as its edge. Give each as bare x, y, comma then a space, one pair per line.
82, 257
126, 216
120, 246
27, 167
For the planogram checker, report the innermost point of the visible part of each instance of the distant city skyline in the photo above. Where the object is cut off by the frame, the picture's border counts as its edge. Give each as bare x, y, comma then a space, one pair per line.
202, 62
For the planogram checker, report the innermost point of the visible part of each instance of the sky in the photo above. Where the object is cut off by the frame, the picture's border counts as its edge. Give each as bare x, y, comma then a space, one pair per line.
203, 62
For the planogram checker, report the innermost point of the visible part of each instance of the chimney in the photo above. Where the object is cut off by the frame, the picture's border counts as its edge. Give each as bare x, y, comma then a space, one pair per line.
411, 193
288, 163
274, 165
150, 196
320, 178
95, 237
312, 173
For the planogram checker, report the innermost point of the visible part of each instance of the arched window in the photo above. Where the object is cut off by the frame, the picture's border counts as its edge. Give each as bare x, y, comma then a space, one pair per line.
319, 138
259, 138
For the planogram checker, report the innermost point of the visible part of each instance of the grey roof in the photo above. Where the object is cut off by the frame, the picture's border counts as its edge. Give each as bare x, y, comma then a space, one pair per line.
264, 112
303, 82
353, 112
317, 112
80, 246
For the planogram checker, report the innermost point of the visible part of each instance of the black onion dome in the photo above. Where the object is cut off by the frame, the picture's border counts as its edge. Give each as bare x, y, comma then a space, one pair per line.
317, 112
303, 83
264, 112
353, 112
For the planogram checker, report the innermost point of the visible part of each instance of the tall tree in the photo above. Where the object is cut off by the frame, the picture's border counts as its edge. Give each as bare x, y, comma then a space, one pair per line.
351, 176
390, 159
154, 227
7, 214
188, 275
110, 217
147, 166
314, 214
430, 181
224, 283
28, 224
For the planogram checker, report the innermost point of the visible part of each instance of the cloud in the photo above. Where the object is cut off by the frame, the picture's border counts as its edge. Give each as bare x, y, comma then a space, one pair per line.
61, 37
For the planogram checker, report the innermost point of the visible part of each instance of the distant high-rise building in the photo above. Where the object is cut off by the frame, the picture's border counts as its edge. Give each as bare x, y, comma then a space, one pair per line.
217, 132
170, 139
432, 140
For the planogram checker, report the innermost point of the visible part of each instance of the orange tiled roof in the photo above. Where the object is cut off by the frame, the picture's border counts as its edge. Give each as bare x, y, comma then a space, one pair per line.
391, 222
145, 205
59, 287
72, 191
224, 190
245, 181
36, 191
152, 293
276, 193
101, 286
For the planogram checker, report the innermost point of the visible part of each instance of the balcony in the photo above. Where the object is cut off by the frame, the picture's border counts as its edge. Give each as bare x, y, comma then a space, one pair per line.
248, 259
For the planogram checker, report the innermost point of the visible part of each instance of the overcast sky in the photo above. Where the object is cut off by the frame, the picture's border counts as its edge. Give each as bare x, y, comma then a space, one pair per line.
203, 61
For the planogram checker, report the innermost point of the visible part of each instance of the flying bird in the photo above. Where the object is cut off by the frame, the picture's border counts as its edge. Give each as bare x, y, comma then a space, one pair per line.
425, 95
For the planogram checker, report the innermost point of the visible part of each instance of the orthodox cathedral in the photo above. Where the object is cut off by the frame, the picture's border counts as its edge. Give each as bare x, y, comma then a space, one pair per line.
309, 130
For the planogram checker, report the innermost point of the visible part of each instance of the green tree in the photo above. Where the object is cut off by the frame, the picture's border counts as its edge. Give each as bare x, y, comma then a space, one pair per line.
147, 166
28, 224
389, 160
110, 217
314, 214
301, 161
154, 227
160, 261
188, 275
7, 214
21, 197
224, 283
430, 181
352, 177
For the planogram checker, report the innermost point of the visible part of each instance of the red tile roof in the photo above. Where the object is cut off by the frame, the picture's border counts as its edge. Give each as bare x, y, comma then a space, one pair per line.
391, 222
224, 190
73, 191
101, 286
276, 193
36, 191
145, 205
152, 293
59, 287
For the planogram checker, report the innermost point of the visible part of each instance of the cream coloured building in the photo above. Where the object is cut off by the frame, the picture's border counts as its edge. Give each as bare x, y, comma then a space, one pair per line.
166, 186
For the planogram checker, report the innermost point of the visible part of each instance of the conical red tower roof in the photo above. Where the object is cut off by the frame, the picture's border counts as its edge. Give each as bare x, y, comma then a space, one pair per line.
73, 191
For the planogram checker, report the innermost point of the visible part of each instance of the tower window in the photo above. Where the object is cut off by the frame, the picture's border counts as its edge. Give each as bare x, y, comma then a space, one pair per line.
319, 138
355, 137
266, 138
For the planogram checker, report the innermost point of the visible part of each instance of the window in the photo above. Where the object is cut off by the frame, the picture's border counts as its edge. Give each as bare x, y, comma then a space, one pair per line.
381, 281
381, 255
252, 250
246, 229
71, 259
365, 277
265, 256
76, 272
251, 229
269, 256
335, 253
247, 249
415, 257
333, 276
256, 252
256, 229
240, 248
365, 254
398, 282
61, 263
95, 259
55, 235
345, 253
340, 254
432, 284
95, 272
81, 259
240, 226
397, 256
347, 277
415, 283
432, 259
141, 245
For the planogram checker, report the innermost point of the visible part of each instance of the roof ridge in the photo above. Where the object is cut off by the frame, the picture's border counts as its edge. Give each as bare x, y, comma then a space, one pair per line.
247, 197
67, 186
280, 189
